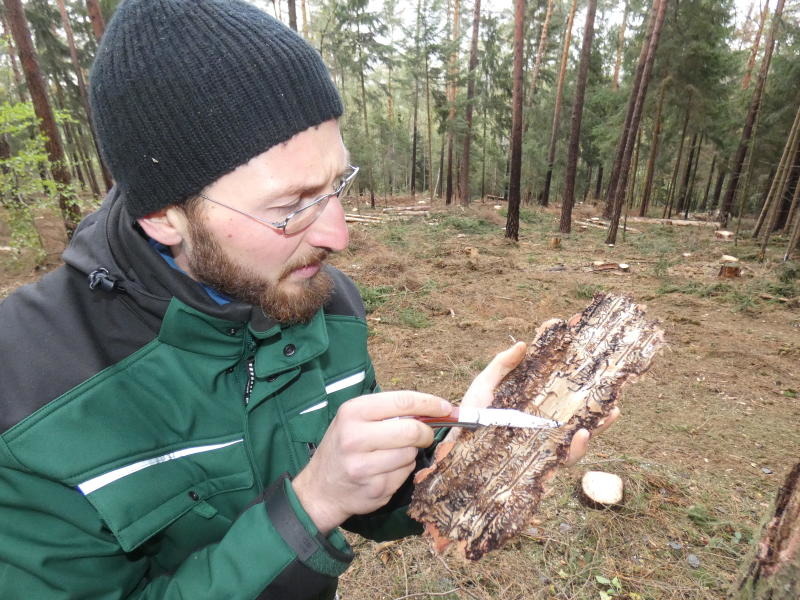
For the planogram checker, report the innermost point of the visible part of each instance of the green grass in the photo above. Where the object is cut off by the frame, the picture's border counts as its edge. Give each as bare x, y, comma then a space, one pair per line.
413, 318
374, 296
586, 291
471, 225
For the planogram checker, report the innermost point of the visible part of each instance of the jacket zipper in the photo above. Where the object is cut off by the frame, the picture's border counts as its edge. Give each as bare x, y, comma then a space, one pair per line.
251, 379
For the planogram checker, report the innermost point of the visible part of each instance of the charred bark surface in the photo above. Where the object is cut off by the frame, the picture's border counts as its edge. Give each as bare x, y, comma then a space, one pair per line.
484, 488
773, 571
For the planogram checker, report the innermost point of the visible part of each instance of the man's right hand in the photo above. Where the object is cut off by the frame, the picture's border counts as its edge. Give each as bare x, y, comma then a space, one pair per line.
364, 458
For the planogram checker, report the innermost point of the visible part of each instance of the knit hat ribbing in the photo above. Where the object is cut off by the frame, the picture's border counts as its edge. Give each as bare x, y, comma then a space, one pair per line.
184, 91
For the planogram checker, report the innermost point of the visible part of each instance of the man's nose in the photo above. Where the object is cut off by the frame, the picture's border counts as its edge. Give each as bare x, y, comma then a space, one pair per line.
330, 229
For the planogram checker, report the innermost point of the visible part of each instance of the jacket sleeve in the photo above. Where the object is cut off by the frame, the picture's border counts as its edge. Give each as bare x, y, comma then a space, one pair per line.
54, 546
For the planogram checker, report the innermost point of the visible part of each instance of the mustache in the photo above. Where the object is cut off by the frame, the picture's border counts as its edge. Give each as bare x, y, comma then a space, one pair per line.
314, 257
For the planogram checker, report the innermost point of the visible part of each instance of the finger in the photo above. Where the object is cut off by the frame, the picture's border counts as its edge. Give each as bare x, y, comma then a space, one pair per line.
578, 447
501, 365
607, 421
381, 462
388, 434
385, 405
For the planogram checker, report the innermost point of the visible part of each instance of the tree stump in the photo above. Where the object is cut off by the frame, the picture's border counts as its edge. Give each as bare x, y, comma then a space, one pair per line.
772, 571
484, 488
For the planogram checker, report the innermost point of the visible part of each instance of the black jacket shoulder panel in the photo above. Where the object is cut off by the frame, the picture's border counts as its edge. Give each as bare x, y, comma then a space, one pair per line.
346, 299
57, 333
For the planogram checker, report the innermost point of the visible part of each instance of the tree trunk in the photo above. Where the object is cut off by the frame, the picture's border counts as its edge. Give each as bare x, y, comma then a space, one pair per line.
620, 48
43, 110
690, 191
13, 56
608, 209
577, 114
599, 187
704, 204
537, 62
96, 17
718, 187
292, 14
687, 172
452, 70
473, 63
661, 7
755, 105
772, 571
562, 70
651, 160
512, 220
779, 182
431, 185
794, 238
671, 191
751, 61
73, 53
793, 207
416, 103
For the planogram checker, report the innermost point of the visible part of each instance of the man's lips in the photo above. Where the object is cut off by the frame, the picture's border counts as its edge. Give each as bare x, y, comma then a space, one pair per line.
307, 271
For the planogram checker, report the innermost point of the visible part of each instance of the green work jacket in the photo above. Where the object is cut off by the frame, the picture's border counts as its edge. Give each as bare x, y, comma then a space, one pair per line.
150, 435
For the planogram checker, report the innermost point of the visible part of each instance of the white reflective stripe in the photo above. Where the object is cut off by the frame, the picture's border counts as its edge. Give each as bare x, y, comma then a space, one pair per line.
95, 483
346, 382
322, 404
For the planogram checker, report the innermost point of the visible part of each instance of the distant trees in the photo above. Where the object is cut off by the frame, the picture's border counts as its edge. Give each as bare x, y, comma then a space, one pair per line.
438, 102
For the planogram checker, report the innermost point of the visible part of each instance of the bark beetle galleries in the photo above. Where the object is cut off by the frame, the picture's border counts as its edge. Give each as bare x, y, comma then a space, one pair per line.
484, 489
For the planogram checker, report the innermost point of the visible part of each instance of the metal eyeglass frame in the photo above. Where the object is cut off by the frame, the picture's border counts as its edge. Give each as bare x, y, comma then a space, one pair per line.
319, 201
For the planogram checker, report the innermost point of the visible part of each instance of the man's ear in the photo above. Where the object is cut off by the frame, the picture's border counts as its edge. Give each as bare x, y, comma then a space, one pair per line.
167, 226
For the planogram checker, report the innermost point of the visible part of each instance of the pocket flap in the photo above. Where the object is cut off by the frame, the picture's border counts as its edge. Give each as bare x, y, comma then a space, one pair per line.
138, 500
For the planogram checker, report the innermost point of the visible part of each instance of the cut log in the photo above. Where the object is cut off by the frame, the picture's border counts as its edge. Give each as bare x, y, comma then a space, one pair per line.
602, 489
772, 571
484, 489
722, 234
729, 271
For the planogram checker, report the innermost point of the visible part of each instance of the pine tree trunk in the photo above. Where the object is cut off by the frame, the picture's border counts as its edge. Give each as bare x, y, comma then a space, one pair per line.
96, 17
608, 209
451, 97
779, 181
416, 103
747, 130
432, 186
620, 48
73, 53
41, 105
13, 56
718, 187
651, 160
676, 168
687, 172
512, 220
599, 187
562, 70
772, 571
793, 207
660, 6
690, 191
577, 114
537, 62
704, 204
292, 14
473, 64
751, 61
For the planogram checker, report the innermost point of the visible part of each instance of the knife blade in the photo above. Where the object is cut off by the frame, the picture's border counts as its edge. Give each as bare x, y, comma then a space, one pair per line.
472, 418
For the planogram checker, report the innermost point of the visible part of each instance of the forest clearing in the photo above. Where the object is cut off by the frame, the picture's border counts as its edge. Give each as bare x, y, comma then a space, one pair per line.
514, 160
706, 436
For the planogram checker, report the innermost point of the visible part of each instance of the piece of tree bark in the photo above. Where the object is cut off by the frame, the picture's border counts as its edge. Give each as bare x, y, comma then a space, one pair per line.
484, 488
772, 571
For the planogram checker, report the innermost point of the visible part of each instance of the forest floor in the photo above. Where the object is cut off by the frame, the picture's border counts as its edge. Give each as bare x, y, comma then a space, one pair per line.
705, 438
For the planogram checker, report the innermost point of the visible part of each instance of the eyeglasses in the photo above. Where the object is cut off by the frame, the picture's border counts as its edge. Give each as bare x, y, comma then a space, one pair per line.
303, 217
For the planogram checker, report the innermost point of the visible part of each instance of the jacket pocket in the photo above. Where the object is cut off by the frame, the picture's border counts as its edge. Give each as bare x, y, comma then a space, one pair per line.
141, 498
310, 422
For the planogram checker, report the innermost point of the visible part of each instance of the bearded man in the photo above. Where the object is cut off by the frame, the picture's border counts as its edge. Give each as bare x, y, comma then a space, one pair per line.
188, 408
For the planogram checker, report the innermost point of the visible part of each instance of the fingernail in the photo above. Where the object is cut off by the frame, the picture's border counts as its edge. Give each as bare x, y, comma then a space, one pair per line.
446, 406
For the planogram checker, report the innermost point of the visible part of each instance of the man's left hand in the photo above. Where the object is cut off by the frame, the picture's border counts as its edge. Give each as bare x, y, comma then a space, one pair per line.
481, 392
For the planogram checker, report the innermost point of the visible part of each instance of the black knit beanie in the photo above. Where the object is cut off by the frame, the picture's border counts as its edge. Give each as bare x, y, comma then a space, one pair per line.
184, 91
